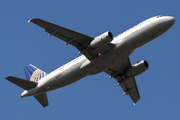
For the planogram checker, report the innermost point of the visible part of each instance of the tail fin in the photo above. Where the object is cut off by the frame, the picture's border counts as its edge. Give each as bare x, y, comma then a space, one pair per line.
33, 73
25, 84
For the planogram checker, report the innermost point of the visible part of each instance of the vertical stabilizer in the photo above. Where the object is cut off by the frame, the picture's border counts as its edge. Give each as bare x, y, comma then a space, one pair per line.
33, 73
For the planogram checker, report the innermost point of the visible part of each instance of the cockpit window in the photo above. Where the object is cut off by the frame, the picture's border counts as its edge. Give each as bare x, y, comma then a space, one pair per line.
159, 16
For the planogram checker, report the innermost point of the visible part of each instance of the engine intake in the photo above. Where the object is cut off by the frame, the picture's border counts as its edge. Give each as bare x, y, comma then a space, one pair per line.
137, 69
101, 40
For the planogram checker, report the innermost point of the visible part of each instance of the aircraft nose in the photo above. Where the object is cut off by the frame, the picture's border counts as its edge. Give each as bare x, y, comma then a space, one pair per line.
171, 20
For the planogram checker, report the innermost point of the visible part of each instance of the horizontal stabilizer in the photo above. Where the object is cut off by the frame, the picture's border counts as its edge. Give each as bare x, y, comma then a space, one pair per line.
42, 99
25, 84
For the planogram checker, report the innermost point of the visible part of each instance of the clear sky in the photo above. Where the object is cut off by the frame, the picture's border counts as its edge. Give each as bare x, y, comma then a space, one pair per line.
94, 97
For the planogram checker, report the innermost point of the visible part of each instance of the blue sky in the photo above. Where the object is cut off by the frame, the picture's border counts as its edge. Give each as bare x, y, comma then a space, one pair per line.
94, 97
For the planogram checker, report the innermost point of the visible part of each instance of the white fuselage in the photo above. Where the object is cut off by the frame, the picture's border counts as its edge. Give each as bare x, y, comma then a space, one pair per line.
124, 45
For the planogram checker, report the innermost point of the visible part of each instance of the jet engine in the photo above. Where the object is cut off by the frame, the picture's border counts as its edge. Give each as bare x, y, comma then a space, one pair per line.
101, 40
137, 69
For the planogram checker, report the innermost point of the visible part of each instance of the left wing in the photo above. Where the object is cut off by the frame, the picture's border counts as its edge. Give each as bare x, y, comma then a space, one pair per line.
69, 36
80, 41
128, 84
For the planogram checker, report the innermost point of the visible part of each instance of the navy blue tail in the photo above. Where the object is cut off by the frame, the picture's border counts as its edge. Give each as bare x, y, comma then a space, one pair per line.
33, 74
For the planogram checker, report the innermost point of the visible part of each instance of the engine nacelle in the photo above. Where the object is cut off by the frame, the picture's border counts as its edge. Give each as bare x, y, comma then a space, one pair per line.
101, 40
137, 69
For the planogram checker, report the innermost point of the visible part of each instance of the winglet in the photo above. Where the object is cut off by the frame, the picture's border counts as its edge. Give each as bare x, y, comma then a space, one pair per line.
31, 19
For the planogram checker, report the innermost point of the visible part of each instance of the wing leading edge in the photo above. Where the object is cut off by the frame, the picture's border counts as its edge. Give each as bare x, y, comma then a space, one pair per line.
69, 36
128, 85
79, 40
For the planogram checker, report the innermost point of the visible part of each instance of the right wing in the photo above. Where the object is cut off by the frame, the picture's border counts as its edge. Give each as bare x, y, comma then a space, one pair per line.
130, 88
128, 84
79, 40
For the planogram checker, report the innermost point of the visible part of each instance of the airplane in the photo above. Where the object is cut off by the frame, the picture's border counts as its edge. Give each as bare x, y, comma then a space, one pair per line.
103, 53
